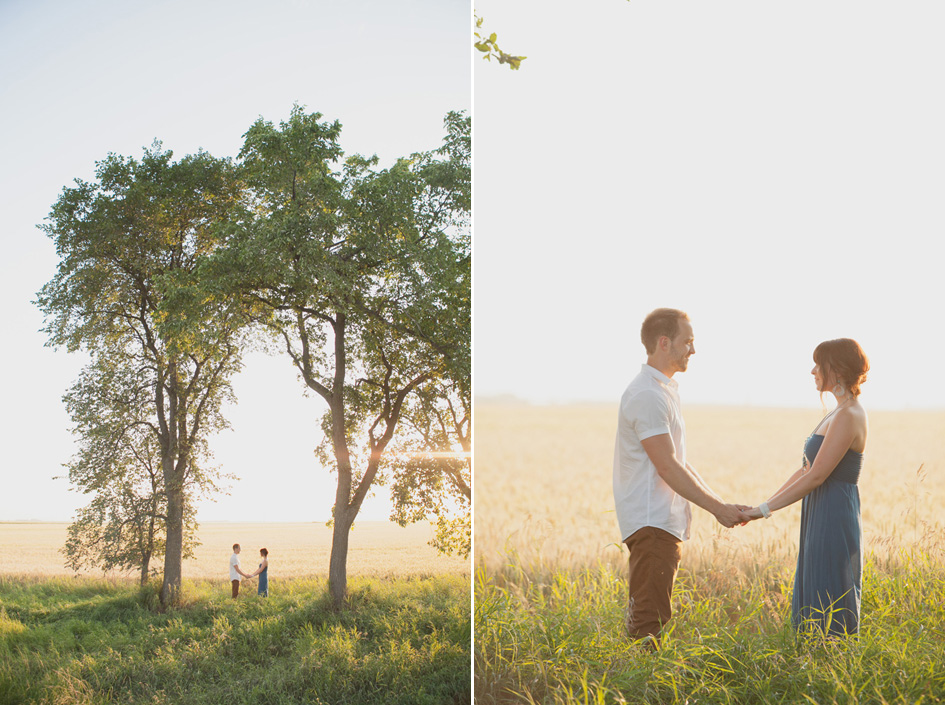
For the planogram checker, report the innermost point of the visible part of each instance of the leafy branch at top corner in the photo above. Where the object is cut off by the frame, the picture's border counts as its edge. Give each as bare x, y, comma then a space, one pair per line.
487, 45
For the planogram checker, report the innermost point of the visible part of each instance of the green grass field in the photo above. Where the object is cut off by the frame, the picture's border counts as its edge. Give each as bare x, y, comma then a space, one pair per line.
93, 641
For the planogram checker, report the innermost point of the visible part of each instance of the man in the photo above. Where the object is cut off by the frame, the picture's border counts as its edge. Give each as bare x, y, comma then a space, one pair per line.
652, 480
236, 571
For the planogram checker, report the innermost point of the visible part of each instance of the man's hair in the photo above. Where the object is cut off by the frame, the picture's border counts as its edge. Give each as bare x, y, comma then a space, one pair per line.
662, 321
235, 546
264, 551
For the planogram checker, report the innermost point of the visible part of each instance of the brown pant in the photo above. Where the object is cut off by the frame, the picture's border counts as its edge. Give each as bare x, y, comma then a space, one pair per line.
654, 560
236, 588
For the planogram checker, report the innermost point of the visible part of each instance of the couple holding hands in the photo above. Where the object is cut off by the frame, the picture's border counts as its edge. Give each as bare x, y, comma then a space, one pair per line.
654, 484
262, 571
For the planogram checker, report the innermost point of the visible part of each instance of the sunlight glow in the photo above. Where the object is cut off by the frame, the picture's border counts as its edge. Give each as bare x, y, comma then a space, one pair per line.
459, 455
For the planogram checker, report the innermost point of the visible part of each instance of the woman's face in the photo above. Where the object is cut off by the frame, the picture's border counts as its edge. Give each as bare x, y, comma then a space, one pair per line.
824, 382
818, 377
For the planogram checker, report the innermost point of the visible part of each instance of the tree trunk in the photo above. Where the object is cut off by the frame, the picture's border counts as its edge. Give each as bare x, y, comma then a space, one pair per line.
338, 563
145, 569
173, 553
343, 513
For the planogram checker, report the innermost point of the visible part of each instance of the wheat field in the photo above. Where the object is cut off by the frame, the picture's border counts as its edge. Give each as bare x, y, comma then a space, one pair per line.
544, 498
377, 549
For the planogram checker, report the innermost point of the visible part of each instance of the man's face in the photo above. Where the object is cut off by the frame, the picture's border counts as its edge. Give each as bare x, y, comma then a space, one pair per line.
682, 346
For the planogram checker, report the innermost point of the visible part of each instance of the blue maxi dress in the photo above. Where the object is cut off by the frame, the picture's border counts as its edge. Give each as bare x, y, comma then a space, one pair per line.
829, 564
263, 588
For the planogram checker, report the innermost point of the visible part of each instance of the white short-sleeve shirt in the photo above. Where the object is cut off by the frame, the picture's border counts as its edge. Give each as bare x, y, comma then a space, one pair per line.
649, 407
234, 561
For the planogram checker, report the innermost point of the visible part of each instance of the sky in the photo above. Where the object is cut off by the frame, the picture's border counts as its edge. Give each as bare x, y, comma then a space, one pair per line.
81, 80
774, 169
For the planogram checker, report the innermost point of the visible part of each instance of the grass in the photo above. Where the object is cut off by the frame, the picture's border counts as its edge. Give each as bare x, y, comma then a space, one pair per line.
84, 641
550, 581
558, 637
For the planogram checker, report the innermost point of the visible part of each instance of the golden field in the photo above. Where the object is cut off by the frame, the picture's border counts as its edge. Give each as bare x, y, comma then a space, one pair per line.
543, 482
379, 549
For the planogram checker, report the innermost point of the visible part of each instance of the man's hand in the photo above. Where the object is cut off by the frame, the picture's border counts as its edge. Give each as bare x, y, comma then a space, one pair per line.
729, 515
752, 512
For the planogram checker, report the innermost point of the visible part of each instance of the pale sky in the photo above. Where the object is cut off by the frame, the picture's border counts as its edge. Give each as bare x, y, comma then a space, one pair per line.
774, 169
80, 80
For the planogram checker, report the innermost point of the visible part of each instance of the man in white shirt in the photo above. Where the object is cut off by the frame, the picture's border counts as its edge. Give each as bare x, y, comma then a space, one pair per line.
236, 571
652, 480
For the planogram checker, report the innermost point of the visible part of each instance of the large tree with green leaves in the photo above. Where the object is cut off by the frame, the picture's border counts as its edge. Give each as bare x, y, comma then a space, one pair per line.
129, 290
363, 275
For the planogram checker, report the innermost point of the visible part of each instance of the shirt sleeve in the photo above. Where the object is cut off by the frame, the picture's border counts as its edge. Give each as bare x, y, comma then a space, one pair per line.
648, 413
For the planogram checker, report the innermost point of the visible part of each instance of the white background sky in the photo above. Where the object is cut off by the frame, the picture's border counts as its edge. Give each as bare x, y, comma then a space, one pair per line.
79, 80
775, 169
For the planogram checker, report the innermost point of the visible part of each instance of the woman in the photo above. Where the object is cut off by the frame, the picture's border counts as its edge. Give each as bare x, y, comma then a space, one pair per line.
829, 567
263, 572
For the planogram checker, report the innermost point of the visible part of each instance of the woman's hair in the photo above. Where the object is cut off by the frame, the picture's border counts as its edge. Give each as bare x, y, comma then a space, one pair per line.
845, 360
264, 552
662, 321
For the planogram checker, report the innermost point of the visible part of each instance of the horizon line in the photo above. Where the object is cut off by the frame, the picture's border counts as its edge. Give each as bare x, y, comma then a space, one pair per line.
514, 400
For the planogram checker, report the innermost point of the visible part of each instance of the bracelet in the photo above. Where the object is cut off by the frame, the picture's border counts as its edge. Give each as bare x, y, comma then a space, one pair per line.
765, 512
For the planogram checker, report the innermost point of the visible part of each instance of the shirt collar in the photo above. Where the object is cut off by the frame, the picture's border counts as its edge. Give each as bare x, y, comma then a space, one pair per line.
660, 377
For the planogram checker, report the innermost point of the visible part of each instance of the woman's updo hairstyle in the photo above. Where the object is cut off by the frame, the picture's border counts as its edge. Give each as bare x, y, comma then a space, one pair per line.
845, 360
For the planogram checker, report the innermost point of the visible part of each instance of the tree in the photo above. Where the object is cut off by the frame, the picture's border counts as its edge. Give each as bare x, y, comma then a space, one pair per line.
431, 464
129, 290
432, 467
358, 270
124, 528
118, 462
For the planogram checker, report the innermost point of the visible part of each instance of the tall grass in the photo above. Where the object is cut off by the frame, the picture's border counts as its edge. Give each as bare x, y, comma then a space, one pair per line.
551, 577
83, 641
559, 637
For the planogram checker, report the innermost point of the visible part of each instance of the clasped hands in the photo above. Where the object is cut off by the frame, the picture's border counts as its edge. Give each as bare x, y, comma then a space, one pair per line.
731, 514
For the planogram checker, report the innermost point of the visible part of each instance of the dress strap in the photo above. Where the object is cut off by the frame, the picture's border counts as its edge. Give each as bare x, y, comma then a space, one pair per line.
817, 428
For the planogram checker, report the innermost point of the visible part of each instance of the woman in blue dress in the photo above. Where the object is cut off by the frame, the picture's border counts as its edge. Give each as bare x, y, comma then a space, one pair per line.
829, 562
263, 572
